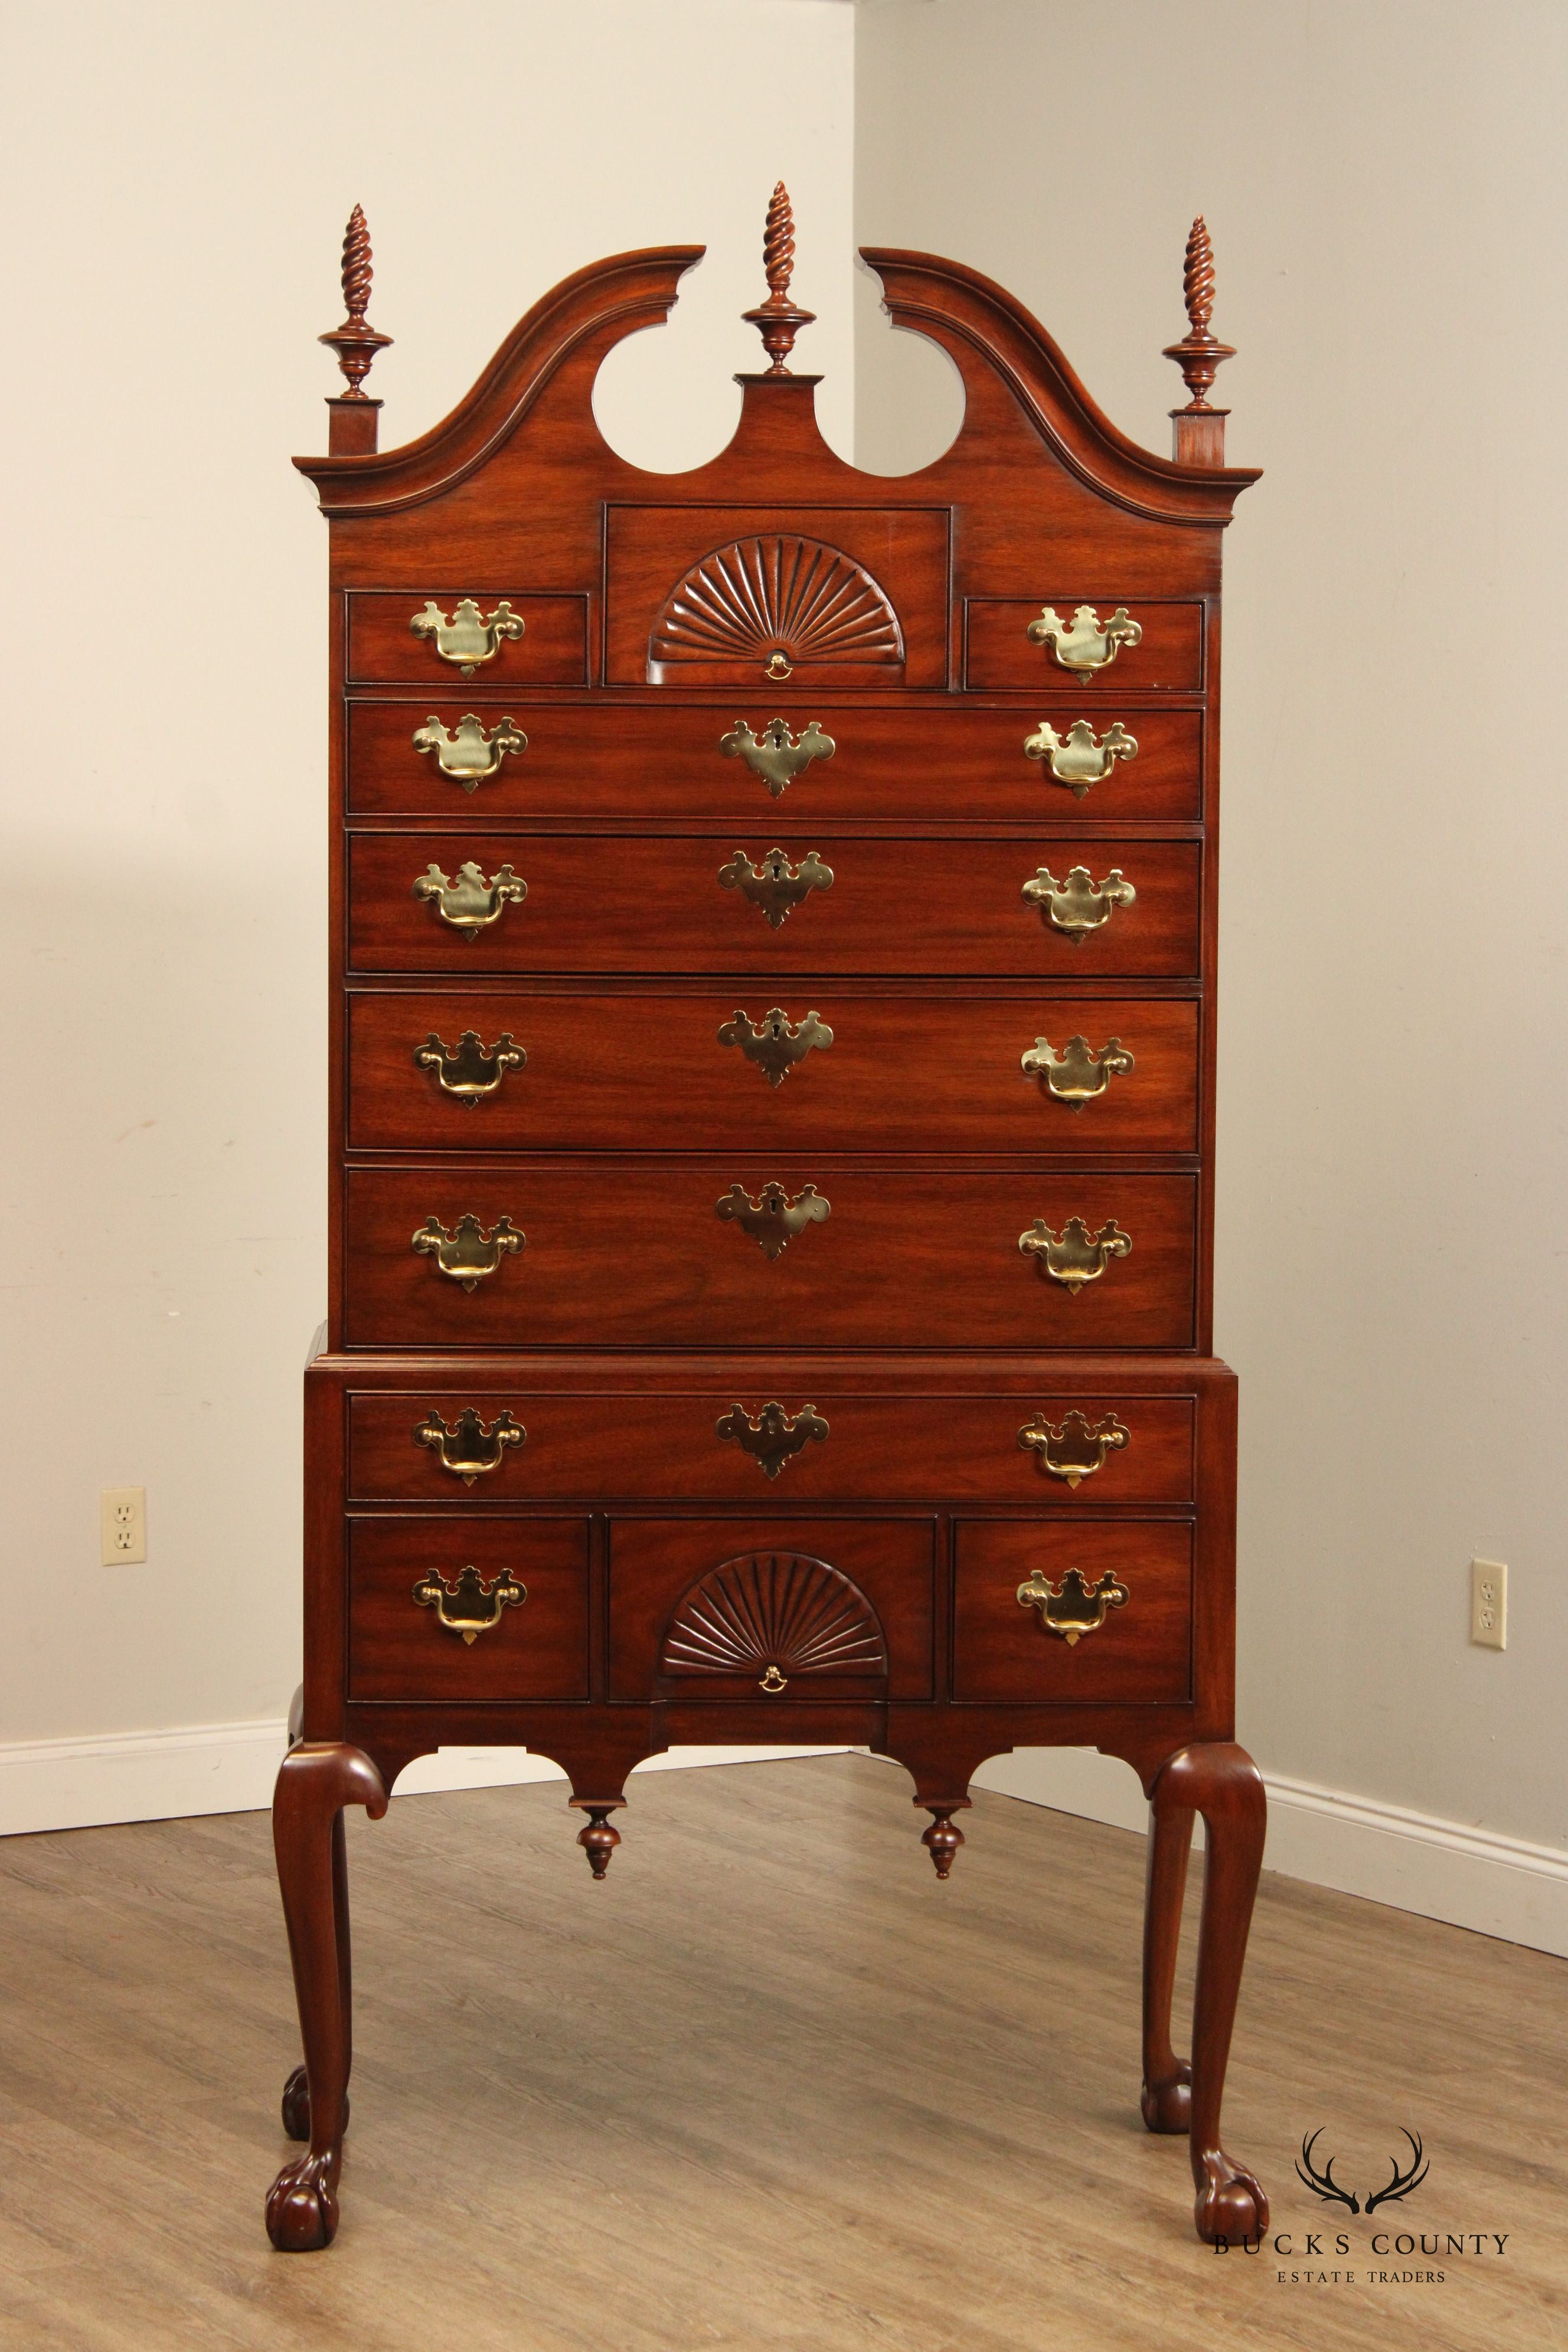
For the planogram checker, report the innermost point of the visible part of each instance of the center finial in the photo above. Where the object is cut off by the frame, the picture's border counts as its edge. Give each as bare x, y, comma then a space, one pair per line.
778, 321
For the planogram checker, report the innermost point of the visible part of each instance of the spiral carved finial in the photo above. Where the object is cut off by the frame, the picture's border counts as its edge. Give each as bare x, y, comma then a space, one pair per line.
356, 265
778, 240
1199, 352
356, 342
778, 321
1197, 276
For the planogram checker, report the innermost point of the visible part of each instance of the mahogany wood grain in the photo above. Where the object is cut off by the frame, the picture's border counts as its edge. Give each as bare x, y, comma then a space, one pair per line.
999, 651
882, 1446
923, 1364
1142, 1651
537, 1649
648, 1072
651, 544
551, 651
921, 903
653, 1563
634, 1252
645, 763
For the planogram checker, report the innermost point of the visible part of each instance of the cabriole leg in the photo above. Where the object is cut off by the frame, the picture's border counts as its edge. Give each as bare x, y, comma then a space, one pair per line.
1222, 1782
1167, 2097
297, 2089
315, 1782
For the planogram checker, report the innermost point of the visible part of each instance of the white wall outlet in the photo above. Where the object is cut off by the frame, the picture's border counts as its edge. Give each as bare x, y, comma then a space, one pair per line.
1489, 1603
123, 1512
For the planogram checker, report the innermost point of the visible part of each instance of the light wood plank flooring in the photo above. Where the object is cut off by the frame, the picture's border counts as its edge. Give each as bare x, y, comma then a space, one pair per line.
770, 2087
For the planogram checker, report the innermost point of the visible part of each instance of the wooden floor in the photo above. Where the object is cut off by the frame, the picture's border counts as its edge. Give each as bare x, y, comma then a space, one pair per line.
771, 2086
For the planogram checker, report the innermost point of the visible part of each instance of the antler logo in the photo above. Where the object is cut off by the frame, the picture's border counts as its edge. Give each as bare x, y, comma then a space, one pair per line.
1323, 2184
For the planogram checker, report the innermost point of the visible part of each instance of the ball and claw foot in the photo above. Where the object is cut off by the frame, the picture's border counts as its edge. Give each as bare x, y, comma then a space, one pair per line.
302, 2205
297, 2106
597, 1839
1168, 2106
1230, 2204
943, 1840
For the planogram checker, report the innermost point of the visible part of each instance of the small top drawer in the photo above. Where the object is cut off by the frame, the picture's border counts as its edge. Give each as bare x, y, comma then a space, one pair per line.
1108, 645
505, 636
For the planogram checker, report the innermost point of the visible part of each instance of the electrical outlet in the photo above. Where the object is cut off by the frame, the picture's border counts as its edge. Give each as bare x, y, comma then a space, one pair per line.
1489, 1603
123, 1523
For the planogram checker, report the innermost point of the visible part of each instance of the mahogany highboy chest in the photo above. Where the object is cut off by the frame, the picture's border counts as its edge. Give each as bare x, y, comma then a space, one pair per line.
772, 1115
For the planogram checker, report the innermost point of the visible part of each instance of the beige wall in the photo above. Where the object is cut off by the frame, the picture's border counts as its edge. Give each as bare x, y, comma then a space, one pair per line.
178, 178
1384, 187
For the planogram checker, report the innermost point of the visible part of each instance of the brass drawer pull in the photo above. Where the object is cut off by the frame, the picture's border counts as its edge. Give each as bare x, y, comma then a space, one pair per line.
470, 636
1077, 1073
471, 904
1075, 906
469, 1450
1080, 758
775, 885
775, 1435
471, 1607
776, 1042
1082, 645
470, 757
1074, 1451
1075, 1256
1076, 1609
773, 1219
472, 1070
775, 755
468, 1253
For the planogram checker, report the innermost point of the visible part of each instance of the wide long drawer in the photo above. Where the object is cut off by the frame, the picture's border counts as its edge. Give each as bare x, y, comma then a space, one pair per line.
765, 1437
772, 899
871, 1072
755, 1251
609, 758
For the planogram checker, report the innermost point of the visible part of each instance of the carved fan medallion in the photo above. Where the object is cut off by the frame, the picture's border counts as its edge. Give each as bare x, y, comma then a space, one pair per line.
771, 602
773, 1616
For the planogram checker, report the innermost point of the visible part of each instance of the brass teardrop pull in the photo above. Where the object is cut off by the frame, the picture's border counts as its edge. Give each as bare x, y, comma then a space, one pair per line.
1073, 1608
1083, 645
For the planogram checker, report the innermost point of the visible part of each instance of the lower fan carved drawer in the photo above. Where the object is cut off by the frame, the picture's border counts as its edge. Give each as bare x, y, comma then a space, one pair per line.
766, 1434
800, 1610
484, 1609
1074, 1610
749, 1252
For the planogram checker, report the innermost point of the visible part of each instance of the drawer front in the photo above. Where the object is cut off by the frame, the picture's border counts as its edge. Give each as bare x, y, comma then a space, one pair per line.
703, 1609
1139, 1574
648, 1072
551, 650
999, 651
422, 1626
724, 902
650, 764
663, 1447
623, 1253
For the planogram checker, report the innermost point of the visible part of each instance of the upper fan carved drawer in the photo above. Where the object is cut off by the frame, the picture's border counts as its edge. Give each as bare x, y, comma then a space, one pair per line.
831, 597
1107, 646
446, 634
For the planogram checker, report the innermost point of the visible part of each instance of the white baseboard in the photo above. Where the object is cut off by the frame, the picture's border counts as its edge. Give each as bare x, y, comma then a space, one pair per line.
1389, 1854
229, 1768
